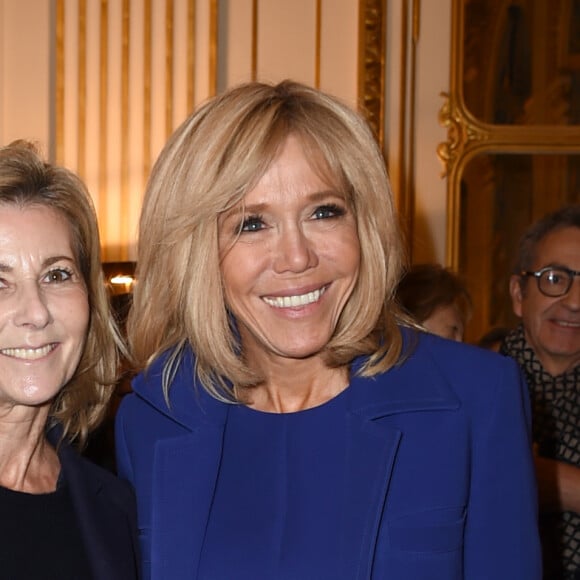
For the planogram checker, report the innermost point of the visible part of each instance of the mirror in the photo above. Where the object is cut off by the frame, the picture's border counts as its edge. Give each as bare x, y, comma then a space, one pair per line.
521, 62
513, 143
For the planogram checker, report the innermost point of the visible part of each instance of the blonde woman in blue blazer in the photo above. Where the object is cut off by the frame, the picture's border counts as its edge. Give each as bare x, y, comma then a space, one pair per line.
288, 422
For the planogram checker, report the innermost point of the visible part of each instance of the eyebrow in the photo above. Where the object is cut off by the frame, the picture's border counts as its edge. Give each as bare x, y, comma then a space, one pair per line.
556, 265
48, 262
257, 208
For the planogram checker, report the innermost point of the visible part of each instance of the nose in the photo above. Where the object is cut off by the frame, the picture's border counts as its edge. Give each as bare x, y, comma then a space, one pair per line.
31, 307
294, 252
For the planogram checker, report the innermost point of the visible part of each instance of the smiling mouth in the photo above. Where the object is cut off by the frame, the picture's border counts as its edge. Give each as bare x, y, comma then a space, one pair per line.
28, 353
568, 323
295, 301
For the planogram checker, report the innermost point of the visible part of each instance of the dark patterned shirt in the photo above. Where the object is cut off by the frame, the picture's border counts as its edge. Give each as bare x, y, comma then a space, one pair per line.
556, 432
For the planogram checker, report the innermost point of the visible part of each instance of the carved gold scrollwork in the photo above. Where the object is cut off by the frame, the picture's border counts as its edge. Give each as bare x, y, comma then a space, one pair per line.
461, 134
449, 150
372, 63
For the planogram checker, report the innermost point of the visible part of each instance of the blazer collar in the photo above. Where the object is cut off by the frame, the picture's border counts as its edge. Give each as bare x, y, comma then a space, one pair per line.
189, 404
415, 383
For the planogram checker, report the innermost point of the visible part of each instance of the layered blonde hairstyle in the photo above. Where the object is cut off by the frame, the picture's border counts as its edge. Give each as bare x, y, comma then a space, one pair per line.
26, 180
208, 165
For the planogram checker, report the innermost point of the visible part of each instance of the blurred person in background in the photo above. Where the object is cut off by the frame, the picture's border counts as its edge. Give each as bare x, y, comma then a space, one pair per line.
545, 291
436, 297
493, 338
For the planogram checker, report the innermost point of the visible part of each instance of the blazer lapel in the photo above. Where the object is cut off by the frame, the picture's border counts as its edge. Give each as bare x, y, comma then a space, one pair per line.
371, 454
183, 503
185, 468
104, 529
373, 447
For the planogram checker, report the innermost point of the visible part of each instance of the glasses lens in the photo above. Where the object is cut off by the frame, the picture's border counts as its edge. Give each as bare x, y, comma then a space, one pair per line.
554, 282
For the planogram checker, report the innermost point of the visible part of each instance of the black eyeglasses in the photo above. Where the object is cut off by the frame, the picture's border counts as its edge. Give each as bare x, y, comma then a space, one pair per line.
553, 282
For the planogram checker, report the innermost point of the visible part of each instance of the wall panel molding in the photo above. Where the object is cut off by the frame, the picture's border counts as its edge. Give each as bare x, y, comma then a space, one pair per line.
124, 91
127, 72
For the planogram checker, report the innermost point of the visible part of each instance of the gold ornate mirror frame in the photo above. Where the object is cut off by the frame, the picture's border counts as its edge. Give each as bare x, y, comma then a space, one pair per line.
479, 144
467, 136
371, 63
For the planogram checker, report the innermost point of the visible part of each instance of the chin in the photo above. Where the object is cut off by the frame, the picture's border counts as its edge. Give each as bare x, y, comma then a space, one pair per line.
38, 395
304, 351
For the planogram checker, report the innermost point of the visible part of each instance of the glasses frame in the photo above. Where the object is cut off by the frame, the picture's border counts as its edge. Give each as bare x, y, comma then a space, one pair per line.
539, 273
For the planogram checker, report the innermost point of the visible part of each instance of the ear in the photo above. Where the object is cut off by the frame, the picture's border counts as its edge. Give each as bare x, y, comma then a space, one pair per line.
516, 294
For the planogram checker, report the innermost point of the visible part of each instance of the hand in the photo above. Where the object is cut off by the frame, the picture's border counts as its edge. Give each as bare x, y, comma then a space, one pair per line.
558, 485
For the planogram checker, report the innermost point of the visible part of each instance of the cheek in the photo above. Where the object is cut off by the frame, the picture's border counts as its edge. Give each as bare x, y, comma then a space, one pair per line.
236, 274
76, 317
534, 308
344, 250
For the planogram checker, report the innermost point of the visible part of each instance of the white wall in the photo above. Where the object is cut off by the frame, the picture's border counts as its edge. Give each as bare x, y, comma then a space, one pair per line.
286, 43
25, 71
432, 77
433, 68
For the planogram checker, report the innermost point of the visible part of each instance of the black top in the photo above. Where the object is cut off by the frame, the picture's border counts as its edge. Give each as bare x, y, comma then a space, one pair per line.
40, 537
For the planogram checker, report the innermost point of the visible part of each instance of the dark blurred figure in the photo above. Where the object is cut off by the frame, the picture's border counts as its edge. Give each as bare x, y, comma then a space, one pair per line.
493, 338
436, 298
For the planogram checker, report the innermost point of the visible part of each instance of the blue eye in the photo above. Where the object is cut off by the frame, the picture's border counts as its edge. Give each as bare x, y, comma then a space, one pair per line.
328, 211
253, 223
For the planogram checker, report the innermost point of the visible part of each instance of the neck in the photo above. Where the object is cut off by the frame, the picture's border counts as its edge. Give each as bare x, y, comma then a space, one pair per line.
557, 367
296, 385
27, 461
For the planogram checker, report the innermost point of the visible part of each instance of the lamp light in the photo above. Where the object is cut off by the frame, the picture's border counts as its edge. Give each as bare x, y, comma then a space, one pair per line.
119, 277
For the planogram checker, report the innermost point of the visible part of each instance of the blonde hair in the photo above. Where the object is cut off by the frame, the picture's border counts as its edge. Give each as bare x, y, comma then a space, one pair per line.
208, 165
26, 180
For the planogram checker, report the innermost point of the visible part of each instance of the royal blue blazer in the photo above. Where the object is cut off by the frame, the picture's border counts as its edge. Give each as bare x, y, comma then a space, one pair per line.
440, 483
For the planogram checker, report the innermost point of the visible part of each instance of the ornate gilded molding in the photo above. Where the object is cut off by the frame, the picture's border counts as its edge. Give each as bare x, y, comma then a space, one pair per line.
461, 135
372, 46
468, 136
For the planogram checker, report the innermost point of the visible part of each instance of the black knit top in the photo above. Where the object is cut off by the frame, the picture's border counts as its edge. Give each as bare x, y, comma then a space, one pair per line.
40, 537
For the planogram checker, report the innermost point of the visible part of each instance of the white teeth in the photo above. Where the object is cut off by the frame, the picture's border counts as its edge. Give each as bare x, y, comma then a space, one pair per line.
27, 353
294, 301
572, 324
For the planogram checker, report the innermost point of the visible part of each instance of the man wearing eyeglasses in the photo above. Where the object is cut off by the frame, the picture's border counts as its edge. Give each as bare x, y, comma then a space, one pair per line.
545, 291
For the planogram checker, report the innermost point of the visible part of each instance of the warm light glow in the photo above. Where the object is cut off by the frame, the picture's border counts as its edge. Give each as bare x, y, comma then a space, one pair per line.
119, 277
122, 279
